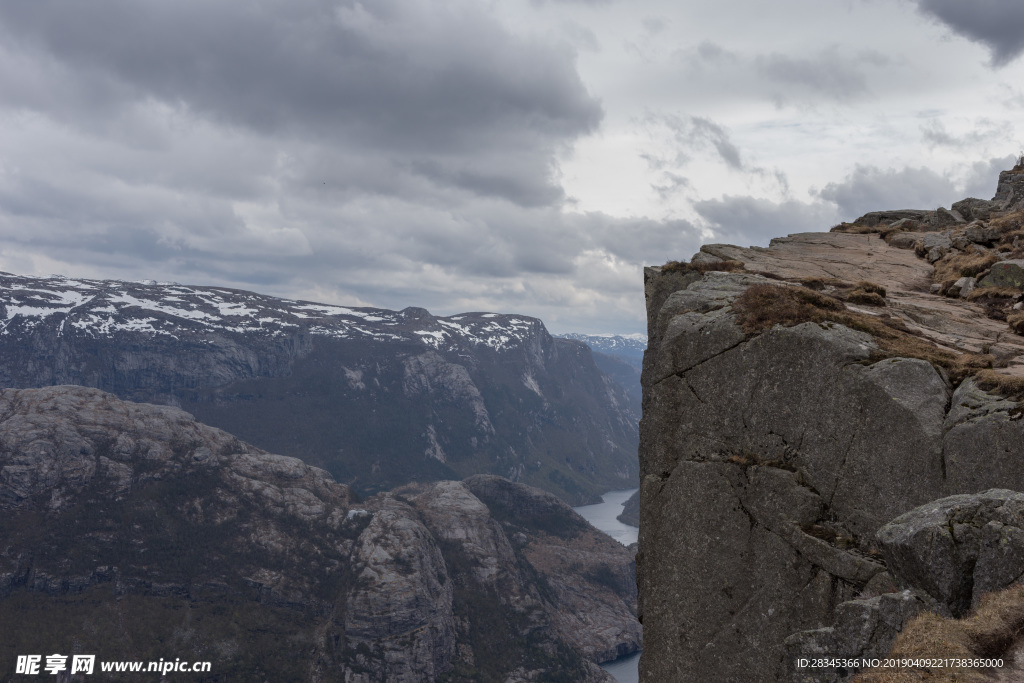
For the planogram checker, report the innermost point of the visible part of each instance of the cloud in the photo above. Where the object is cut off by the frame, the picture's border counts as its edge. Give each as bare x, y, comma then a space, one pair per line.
687, 134
996, 24
826, 73
980, 132
440, 81
747, 220
869, 188
809, 76
980, 181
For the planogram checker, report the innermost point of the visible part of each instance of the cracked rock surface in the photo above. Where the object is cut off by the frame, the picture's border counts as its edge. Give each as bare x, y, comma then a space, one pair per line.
769, 461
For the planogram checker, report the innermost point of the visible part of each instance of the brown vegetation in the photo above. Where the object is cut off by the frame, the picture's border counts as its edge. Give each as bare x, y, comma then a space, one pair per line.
702, 267
956, 266
988, 632
986, 294
1016, 321
867, 293
763, 306
1004, 385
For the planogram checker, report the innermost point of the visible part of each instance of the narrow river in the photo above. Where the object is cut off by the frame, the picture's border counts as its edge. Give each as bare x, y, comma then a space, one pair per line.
602, 516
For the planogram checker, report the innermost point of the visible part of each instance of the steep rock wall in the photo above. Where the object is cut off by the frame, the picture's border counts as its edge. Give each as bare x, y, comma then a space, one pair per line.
769, 460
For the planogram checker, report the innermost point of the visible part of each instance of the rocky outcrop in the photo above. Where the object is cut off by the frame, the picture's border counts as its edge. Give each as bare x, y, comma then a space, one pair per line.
126, 528
631, 511
945, 557
379, 398
958, 548
790, 410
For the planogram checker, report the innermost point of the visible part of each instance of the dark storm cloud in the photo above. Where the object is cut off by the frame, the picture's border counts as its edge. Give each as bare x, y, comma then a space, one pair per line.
750, 220
440, 81
996, 24
874, 189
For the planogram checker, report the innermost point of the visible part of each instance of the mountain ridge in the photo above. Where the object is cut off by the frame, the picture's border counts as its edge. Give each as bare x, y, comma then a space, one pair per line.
377, 397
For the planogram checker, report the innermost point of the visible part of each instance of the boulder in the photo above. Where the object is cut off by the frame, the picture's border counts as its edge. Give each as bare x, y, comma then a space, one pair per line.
863, 629
704, 257
944, 218
1005, 274
981, 233
963, 287
975, 209
958, 548
945, 556
873, 218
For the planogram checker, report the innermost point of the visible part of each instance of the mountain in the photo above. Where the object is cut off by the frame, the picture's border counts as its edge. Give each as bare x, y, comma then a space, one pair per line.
133, 532
379, 398
797, 398
620, 357
629, 348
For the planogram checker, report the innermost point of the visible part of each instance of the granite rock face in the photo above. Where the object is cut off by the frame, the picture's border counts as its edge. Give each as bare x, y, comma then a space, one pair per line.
943, 557
769, 460
958, 548
125, 526
377, 397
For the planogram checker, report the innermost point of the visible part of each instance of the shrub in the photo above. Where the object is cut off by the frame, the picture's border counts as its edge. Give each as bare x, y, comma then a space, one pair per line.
956, 266
763, 306
988, 632
989, 294
1016, 321
702, 267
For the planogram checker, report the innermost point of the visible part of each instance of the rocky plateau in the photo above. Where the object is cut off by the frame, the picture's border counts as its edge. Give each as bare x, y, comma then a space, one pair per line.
798, 398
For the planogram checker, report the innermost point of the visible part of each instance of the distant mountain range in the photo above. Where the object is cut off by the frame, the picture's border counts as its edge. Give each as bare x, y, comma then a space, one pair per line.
621, 357
629, 347
379, 398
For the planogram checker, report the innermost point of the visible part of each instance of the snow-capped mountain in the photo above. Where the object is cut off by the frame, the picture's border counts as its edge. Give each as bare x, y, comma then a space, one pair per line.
628, 347
378, 397
102, 308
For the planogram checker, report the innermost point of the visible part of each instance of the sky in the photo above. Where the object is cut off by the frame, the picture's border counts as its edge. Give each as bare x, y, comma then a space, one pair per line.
526, 156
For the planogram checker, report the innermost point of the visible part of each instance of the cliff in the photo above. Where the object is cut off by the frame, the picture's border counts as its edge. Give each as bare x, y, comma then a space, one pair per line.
379, 398
133, 532
797, 398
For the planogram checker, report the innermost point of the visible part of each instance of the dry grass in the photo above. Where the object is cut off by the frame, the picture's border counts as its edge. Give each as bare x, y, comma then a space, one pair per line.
993, 294
863, 292
703, 267
761, 307
956, 266
871, 287
866, 298
986, 633
853, 229
820, 283
1007, 224
1004, 385
1016, 321
867, 293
